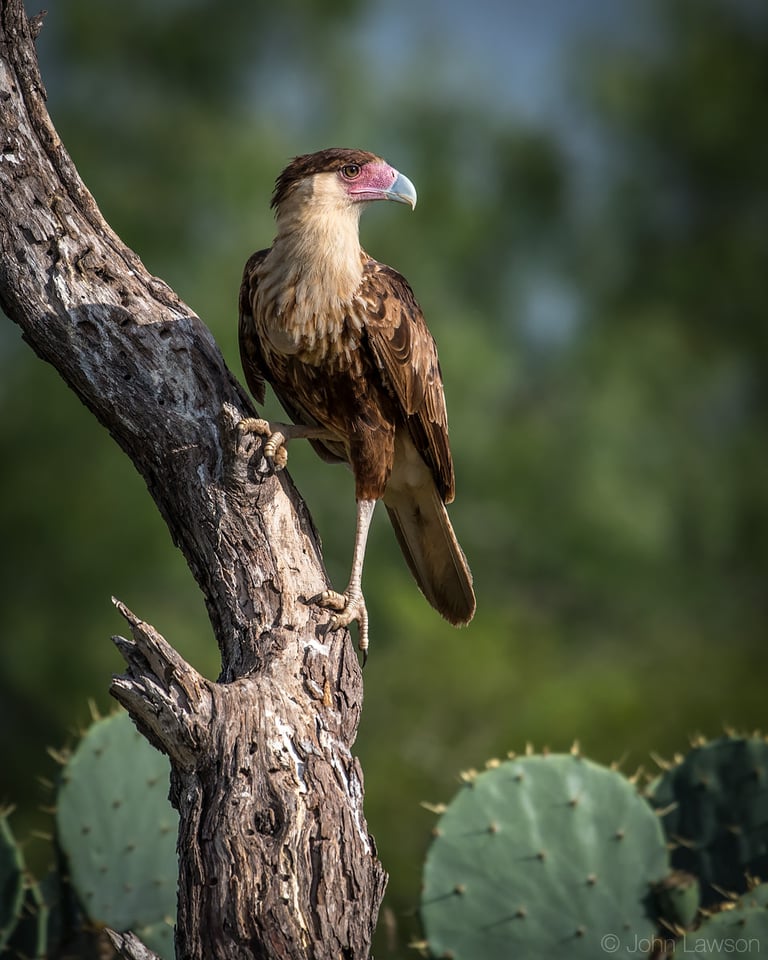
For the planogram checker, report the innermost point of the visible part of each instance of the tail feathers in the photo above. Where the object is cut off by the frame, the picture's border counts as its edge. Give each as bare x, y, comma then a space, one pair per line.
434, 556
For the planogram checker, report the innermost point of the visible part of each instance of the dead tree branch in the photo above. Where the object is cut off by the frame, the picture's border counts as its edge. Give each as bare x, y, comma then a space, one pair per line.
275, 857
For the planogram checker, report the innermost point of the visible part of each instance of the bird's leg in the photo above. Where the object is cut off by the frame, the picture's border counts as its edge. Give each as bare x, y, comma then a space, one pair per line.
351, 604
277, 436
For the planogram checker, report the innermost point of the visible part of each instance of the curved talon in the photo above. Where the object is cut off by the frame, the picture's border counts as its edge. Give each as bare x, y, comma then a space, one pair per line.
272, 443
350, 607
254, 425
274, 448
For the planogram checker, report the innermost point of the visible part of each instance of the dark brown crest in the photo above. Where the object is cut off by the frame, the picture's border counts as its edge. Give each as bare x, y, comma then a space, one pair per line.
324, 161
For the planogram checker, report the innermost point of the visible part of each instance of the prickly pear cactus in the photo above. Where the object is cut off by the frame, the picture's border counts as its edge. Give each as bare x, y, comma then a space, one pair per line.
756, 897
159, 936
118, 831
678, 896
714, 809
543, 857
739, 930
11, 881
29, 939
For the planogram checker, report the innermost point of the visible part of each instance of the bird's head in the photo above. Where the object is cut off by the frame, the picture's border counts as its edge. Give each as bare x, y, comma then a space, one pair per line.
340, 179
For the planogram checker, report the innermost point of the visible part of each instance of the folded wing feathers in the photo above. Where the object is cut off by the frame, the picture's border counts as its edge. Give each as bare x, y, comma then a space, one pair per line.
403, 350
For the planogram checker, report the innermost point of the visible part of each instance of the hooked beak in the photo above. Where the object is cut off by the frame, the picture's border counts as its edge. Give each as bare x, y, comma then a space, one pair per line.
402, 190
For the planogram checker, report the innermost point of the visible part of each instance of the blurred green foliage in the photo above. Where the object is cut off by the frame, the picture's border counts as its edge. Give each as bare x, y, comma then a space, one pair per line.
597, 287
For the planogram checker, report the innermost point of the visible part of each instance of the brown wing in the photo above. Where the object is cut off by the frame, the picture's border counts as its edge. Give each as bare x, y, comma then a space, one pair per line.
251, 356
406, 355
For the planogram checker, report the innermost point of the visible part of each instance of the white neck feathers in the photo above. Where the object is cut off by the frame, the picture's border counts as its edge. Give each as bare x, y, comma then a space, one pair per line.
314, 267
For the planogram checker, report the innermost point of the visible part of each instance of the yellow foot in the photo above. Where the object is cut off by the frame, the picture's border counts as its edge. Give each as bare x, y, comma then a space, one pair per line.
274, 449
350, 607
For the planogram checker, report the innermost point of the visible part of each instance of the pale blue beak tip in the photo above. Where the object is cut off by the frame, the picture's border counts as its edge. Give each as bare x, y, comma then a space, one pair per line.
403, 191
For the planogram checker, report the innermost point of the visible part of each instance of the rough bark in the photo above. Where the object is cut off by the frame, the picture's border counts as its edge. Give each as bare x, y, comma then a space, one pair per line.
129, 947
275, 857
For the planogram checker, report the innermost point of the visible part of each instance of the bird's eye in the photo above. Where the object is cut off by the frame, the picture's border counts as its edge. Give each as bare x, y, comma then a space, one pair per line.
351, 171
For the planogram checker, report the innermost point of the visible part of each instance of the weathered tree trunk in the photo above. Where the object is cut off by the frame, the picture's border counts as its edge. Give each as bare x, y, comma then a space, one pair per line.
275, 857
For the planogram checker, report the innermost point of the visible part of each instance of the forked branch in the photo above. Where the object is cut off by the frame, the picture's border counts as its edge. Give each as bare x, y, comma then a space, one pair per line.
275, 857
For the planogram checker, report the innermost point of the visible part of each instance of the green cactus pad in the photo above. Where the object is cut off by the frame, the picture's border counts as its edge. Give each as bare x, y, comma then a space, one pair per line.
542, 858
677, 897
739, 931
30, 938
117, 828
158, 937
714, 809
11, 881
756, 897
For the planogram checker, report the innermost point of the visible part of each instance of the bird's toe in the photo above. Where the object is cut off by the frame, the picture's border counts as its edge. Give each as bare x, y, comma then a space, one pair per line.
349, 608
275, 449
254, 425
331, 600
